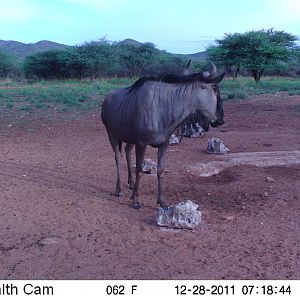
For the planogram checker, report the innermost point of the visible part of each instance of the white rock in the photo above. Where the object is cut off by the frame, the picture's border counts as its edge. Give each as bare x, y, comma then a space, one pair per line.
270, 179
192, 131
149, 166
216, 146
181, 215
173, 140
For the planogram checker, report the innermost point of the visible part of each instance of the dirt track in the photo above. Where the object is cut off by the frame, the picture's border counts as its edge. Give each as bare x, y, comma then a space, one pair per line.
58, 219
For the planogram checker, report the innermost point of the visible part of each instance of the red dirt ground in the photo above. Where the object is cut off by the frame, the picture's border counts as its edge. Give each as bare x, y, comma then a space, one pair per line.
58, 219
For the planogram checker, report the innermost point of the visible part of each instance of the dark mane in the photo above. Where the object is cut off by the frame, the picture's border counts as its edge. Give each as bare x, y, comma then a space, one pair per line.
140, 82
171, 78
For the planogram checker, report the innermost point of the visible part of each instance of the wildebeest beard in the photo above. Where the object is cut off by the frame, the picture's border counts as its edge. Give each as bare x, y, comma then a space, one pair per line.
195, 118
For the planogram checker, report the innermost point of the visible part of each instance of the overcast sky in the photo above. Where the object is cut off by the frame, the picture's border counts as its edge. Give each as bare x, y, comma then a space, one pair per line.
183, 26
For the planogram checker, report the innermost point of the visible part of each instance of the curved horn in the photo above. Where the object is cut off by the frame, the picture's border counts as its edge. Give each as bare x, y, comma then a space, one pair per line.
188, 64
186, 70
212, 73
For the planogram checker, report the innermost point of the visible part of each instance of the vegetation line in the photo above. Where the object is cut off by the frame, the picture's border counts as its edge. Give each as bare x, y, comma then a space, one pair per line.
65, 95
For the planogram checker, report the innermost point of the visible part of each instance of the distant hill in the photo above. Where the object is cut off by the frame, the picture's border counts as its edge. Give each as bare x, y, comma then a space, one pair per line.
21, 50
199, 56
130, 42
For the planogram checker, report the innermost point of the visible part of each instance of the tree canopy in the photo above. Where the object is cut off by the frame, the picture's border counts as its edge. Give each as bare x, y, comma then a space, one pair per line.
255, 51
137, 57
101, 58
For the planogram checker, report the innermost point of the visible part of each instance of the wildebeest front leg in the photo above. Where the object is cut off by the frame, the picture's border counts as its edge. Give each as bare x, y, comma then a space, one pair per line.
160, 174
118, 191
140, 153
128, 151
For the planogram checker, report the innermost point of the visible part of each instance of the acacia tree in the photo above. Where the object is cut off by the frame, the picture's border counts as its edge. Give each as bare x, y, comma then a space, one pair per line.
45, 65
97, 57
255, 51
72, 66
166, 63
137, 57
228, 53
6, 64
92, 59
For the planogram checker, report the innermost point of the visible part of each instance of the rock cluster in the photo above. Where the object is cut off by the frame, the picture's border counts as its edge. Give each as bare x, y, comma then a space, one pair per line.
192, 130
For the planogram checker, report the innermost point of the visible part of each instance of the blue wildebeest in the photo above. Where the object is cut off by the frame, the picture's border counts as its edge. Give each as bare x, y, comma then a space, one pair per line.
149, 111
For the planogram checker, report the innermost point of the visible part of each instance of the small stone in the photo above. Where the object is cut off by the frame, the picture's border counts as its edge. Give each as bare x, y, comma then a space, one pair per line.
228, 218
48, 241
173, 140
216, 146
243, 206
149, 166
270, 179
265, 194
208, 194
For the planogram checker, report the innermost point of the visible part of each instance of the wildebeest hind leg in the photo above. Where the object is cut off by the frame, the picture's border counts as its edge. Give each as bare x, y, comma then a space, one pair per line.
160, 174
118, 191
140, 153
128, 151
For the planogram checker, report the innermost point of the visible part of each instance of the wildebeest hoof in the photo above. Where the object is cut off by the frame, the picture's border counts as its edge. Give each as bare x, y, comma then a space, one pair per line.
136, 206
131, 185
163, 206
118, 194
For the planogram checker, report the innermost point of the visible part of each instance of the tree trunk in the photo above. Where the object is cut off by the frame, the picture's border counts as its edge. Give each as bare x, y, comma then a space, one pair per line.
257, 73
229, 71
260, 73
237, 71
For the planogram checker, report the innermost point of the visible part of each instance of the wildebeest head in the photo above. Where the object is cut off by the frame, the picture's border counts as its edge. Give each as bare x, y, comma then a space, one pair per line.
214, 97
213, 114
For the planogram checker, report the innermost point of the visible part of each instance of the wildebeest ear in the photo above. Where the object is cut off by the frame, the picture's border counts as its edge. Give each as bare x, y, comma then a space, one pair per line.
188, 64
186, 70
218, 79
